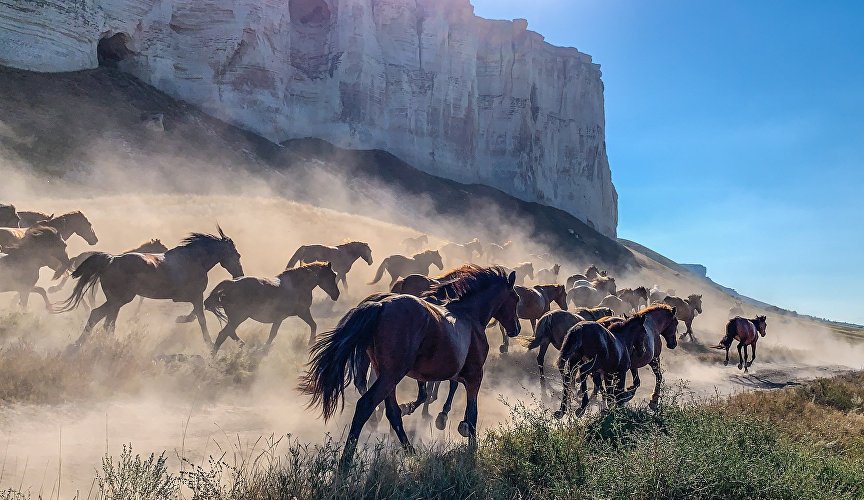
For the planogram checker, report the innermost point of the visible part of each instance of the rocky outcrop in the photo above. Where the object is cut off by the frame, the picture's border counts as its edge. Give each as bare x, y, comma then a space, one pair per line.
458, 96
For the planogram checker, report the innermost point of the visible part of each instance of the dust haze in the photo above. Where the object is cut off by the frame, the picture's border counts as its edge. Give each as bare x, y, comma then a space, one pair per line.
132, 389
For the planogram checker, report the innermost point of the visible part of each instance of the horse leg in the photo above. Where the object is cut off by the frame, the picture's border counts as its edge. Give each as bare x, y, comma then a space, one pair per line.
96, 315
274, 329
42, 293
367, 403
533, 326
394, 415
567, 387
753, 357
137, 307
634, 372
111, 317
188, 318
441, 420
409, 408
689, 324
541, 360
726, 363
306, 316
746, 361
622, 395
228, 331
505, 346
740, 356
658, 376
432, 390
468, 426
198, 310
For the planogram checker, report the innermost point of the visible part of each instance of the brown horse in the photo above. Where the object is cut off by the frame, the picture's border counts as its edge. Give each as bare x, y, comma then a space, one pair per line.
660, 324
407, 336
462, 253
415, 244
498, 254
180, 274
66, 224
270, 300
8, 216
592, 273
534, 302
686, 310
604, 353
636, 298
523, 271
152, 246
414, 284
584, 296
549, 275
593, 313
605, 284
399, 265
19, 270
341, 257
746, 332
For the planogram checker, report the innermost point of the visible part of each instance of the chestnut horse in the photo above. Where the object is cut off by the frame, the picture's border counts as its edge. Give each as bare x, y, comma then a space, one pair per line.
686, 310
399, 265
406, 336
341, 257
746, 332
180, 274
534, 302
603, 353
19, 270
270, 300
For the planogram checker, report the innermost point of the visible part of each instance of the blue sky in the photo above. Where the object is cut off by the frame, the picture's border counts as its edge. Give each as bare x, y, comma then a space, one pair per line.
735, 131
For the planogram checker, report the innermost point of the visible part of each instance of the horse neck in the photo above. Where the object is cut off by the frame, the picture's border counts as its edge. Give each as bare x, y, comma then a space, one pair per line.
199, 254
61, 224
476, 307
301, 279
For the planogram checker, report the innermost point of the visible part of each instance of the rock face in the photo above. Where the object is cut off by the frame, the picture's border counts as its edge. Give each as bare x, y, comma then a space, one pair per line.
456, 95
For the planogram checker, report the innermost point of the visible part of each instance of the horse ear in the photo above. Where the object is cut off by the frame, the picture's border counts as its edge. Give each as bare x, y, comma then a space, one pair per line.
511, 280
221, 233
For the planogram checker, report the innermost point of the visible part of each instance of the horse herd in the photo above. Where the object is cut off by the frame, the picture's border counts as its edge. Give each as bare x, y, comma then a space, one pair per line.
431, 329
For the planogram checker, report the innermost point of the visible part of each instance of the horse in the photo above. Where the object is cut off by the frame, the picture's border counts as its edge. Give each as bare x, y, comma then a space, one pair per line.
605, 284
616, 304
341, 257
524, 270
573, 278
657, 295
661, 324
584, 296
496, 254
19, 270
745, 332
687, 309
415, 244
414, 284
736, 310
180, 274
8, 216
399, 265
534, 302
403, 336
593, 313
66, 224
462, 253
29, 218
549, 275
270, 300
634, 297
604, 353
592, 273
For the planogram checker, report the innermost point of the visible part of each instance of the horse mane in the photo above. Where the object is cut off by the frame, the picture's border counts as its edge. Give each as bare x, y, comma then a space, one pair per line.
312, 266
68, 215
655, 307
352, 244
465, 280
197, 239
424, 253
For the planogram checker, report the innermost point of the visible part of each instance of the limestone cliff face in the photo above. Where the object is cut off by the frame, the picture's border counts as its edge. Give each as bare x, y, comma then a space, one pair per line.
456, 95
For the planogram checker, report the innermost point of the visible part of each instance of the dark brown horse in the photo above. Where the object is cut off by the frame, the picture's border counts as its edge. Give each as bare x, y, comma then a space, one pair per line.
636, 298
270, 300
399, 265
414, 284
19, 270
341, 257
458, 253
524, 271
592, 349
8, 216
407, 336
686, 310
660, 324
534, 302
550, 275
593, 313
415, 244
66, 224
180, 274
746, 332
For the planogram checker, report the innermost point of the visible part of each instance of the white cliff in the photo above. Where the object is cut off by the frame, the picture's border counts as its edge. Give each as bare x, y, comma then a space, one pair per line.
456, 95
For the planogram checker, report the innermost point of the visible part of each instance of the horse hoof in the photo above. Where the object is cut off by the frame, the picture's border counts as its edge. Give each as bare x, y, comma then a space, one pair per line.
441, 421
740, 366
503, 349
654, 405
464, 429
558, 415
407, 409
726, 363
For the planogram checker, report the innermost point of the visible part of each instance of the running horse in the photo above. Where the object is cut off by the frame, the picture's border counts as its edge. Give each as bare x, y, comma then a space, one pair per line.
746, 332
180, 274
399, 265
686, 310
270, 300
66, 224
19, 269
341, 257
462, 253
403, 335
634, 297
534, 302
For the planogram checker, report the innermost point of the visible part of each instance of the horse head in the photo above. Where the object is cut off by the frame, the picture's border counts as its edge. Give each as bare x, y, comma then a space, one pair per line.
82, 226
505, 314
670, 333
229, 257
560, 296
695, 302
435, 258
761, 324
328, 281
365, 253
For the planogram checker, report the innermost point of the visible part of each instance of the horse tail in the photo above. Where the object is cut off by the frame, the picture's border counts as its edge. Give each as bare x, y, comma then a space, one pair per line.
544, 331
380, 272
295, 258
88, 275
336, 358
213, 303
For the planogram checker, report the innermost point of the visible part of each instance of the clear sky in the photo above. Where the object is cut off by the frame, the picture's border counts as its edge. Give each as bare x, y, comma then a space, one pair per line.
735, 132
